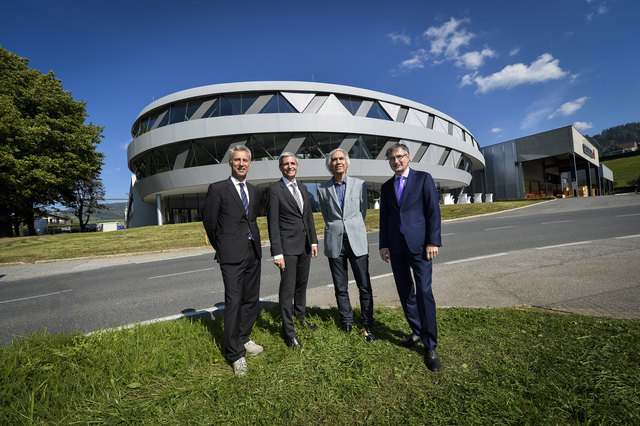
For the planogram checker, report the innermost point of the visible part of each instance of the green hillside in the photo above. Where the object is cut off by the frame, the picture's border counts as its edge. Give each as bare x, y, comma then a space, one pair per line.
626, 171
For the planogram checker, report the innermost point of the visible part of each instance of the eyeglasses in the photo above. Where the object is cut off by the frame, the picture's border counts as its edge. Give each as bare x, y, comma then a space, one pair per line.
397, 157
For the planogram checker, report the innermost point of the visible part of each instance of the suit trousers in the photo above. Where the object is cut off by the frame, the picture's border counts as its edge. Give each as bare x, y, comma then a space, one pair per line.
339, 273
418, 304
293, 291
241, 293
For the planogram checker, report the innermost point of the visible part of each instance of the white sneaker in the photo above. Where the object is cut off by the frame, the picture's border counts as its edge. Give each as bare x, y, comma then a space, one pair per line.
240, 367
253, 348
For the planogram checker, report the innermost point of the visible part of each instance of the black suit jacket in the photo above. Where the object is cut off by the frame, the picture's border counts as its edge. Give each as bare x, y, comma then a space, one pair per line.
290, 232
226, 223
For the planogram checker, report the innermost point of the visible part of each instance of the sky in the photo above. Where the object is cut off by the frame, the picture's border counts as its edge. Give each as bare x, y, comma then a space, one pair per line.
503, 69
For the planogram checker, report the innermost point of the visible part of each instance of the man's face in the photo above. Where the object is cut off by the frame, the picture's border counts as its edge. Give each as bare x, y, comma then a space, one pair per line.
338, 163
240, 164
289, 167
399, 161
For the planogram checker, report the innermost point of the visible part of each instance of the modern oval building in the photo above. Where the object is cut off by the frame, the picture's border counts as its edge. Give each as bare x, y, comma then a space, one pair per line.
180, 142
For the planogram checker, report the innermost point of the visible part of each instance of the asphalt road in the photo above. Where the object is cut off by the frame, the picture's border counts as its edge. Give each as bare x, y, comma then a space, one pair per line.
86, 295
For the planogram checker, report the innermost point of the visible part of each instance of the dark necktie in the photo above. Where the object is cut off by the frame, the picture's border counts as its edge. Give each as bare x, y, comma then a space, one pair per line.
245, 203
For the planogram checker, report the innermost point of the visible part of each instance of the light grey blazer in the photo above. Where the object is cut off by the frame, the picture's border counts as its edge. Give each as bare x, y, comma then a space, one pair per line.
352, 219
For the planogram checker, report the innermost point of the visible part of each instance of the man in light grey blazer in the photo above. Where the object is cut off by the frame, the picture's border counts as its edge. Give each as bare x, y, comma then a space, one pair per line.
343, 203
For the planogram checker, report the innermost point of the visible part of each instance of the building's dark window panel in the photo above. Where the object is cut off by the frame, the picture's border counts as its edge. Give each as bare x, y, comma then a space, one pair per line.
377, 111
147, 123
278, 104
464, 164
359, 150
207, 151
140, 166
374, 144
192, 107
247, 100
350, 103
309, 149
326, 142
214, 110
267, 146
163, 159
230, 104
177, 113
165, 119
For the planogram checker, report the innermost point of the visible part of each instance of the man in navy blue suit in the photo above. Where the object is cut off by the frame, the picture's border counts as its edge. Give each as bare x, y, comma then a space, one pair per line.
410, 237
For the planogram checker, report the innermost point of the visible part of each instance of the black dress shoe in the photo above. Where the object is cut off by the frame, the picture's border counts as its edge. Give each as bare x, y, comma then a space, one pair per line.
368, 335
409, 341
311, 326
346, 328
293, 343
432, 361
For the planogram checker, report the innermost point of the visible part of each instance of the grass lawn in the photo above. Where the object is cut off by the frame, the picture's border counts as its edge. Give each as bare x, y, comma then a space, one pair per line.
625, 170
154, 238
500, 366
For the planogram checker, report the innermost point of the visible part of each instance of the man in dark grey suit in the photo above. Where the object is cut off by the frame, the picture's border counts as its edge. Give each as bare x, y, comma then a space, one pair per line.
229, 217
343, 203
293, 240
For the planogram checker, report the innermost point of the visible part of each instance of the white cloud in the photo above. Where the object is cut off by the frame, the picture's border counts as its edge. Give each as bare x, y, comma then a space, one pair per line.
569, 108
417, 61
496, 130
582, 125
125, 145
474, 60
534, 118
542, 69
514, 51
447, 43
446, 38
400, 38
598, 8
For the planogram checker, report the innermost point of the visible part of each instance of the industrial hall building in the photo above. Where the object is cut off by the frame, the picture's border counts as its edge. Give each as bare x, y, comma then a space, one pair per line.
559, 163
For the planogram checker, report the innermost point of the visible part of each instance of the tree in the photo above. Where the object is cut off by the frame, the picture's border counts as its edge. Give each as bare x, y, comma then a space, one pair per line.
45, 145
85, 199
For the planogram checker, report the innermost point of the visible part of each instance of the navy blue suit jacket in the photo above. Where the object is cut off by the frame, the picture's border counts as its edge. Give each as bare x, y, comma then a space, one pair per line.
418, 212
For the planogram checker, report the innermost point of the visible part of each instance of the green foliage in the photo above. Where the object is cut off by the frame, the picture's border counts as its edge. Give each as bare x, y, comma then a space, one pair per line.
45, 144
500, 366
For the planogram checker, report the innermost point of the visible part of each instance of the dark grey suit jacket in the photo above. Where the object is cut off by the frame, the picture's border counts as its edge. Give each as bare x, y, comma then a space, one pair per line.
291, 232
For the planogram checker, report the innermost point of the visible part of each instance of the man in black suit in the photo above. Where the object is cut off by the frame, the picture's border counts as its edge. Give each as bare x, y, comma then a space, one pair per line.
293, 243
229, 217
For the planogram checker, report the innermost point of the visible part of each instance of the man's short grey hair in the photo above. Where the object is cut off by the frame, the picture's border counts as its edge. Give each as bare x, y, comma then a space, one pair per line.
395, 147
285, 155
327, 161
238, 147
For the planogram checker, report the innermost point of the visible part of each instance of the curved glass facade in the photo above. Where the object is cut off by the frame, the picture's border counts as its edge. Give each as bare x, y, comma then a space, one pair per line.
269, 103
181, 142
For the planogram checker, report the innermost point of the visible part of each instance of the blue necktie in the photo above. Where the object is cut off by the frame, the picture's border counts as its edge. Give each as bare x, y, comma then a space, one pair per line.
399, 187
245, 203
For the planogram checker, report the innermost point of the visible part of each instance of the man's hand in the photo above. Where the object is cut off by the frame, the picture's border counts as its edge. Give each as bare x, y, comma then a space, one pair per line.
314, 251
432, 252
279, 263
384, 254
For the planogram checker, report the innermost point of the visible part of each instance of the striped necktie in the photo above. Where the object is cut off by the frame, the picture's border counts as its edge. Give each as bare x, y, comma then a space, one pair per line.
296, 195
245, 203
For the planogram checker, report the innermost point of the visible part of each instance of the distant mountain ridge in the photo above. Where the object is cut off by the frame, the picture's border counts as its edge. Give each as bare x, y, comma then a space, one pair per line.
116, 212
615, 136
